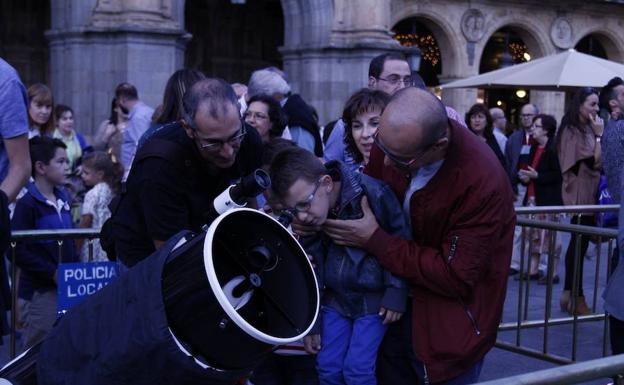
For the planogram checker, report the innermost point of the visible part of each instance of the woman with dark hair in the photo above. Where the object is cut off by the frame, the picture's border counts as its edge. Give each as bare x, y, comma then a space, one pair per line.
109, 135
479, 121
578, 147
172, 109
265, 114
543, 180
361, 116
65, 131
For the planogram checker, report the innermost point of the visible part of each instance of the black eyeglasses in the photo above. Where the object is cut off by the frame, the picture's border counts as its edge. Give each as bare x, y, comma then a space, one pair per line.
214, 145
403, 163
396, 79
304, 205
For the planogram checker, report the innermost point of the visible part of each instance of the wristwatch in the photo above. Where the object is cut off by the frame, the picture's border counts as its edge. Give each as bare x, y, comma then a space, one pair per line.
598, 138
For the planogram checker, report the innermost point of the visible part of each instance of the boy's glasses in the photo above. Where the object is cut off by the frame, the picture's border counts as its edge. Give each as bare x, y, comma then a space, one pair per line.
304, 205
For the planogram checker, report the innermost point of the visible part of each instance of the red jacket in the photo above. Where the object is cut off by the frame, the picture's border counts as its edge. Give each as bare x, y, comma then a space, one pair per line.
462, 225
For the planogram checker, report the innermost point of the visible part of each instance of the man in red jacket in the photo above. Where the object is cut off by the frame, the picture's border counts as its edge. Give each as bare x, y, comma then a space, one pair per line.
460, 207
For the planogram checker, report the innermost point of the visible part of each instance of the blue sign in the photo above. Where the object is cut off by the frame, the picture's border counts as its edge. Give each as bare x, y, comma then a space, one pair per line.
77, 281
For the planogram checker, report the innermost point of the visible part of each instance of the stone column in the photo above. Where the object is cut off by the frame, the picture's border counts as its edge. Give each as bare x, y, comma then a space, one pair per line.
96, 44
328, 47
551, 103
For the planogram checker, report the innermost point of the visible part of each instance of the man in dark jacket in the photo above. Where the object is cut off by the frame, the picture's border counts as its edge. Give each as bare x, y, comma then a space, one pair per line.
461, 211
178, 172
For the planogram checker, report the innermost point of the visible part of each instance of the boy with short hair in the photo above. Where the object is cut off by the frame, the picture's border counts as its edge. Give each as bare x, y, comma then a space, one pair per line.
45, 206
359, 297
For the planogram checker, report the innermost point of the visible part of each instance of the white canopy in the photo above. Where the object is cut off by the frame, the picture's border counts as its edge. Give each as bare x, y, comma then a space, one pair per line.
559, 72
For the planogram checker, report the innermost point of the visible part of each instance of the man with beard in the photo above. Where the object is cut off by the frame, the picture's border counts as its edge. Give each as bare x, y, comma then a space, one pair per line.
179, 171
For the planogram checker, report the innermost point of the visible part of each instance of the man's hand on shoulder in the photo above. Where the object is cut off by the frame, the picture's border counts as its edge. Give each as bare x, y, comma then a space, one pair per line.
354, 232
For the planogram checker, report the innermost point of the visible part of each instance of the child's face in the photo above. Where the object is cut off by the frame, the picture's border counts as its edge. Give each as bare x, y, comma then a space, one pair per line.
39, 111
310, 202
57, 169
90, 177
363, 127
65, 123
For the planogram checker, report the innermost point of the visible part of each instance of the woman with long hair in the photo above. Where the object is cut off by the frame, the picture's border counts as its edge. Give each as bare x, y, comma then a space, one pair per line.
479, 121
40, 106
109, 135
171, 109
579, 150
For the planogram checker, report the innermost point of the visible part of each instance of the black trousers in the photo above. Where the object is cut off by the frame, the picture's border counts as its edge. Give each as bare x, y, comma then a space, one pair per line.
396, 362
569, 258
616, 331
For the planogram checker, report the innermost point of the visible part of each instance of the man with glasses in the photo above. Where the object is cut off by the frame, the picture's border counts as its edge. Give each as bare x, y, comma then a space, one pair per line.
460, 207
389, 73
180, 170
517, 154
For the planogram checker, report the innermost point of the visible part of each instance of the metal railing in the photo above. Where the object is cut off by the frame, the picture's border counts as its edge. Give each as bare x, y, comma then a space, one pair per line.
31, 235
528, 224
567, 374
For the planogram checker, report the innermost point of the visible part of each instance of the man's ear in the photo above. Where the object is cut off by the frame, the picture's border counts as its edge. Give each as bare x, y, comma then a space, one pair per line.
613, 104
372, 82
187, 128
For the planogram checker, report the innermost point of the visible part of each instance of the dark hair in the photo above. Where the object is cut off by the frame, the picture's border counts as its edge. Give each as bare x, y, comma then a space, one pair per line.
41, 93
276, 114
172, 108
549, 124
481, 108
113, 118
274, 147
101, 161
364, 100
43, 149
571, 119
607, 93
376, 65
60, 109
127, 91
293, 164
215, 92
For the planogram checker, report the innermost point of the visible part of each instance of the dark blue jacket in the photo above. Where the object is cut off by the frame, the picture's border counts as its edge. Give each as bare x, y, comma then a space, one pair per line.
38, 259
351, 280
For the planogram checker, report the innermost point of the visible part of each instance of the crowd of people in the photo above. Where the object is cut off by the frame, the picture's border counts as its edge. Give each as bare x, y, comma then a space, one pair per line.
406, 209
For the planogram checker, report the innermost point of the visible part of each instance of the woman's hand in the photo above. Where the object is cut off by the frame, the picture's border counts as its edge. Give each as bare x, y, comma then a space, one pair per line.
597, 125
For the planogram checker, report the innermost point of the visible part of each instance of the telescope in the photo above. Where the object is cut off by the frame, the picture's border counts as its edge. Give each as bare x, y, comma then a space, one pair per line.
205, 308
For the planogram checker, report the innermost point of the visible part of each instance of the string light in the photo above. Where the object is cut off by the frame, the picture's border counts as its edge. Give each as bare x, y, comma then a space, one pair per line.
429, 49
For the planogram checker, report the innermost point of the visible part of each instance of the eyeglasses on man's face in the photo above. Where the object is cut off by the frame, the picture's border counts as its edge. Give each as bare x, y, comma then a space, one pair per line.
396, 79
400, 162
214, 145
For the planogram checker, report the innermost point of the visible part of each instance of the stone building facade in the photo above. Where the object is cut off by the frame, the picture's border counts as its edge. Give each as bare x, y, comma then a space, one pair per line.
323, 45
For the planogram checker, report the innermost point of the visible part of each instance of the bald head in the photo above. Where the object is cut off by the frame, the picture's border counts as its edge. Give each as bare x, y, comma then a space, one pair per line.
413, 119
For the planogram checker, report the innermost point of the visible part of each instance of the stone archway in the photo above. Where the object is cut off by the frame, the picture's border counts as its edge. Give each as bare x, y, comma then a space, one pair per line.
611, 44
419, 31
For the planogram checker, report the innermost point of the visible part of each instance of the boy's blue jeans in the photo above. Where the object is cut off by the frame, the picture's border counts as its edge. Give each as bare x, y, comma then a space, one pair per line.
349, 348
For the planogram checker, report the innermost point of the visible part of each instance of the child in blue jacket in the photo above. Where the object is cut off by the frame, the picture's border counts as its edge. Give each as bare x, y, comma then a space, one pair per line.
45, 206
359, 298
